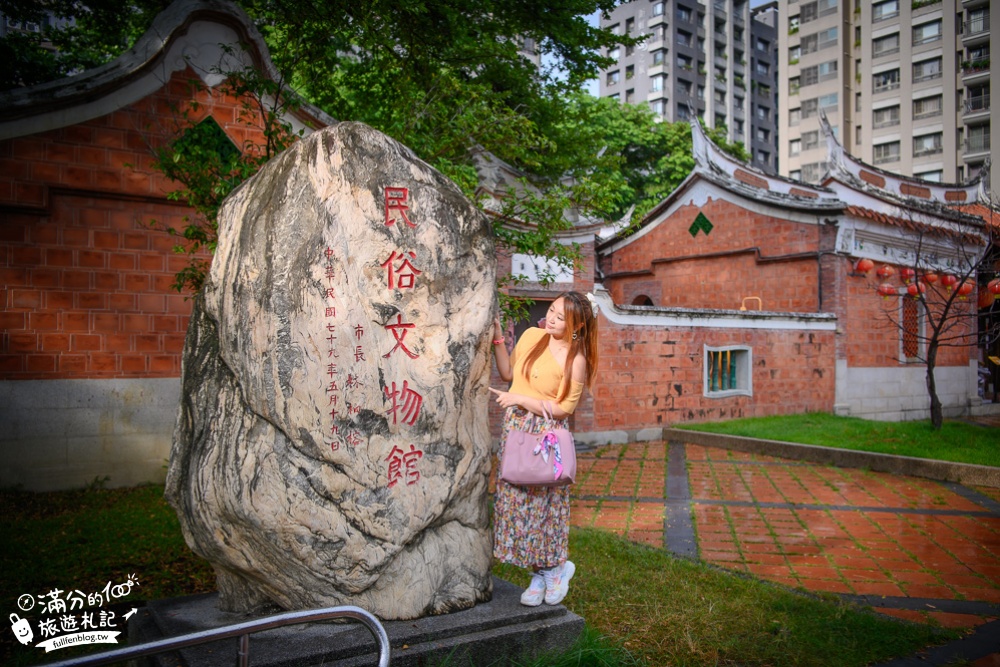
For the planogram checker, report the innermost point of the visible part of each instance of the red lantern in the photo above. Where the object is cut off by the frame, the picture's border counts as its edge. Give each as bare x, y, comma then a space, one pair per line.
930, 277
887, 290
965, 289
916, 289
885, 271
985, 299
994, 287
906, 275
949, 281
864, 266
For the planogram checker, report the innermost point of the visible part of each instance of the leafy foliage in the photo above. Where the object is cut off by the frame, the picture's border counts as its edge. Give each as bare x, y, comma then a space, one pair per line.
451, 80
73, 36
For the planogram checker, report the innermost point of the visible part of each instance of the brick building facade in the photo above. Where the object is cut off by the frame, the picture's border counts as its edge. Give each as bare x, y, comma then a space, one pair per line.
92, 332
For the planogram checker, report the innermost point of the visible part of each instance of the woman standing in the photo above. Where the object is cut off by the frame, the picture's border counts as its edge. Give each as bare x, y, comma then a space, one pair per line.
547, 370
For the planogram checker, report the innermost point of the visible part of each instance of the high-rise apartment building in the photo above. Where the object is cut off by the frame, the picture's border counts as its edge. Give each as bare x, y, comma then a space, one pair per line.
904, 83
710, 59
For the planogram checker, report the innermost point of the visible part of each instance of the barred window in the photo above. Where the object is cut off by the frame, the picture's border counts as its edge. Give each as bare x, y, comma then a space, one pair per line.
887, 152
886, 117
925, 70
884, 46
927, 107
728, 371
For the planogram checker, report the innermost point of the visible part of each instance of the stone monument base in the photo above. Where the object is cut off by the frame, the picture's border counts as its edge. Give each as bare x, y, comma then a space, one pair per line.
491, 633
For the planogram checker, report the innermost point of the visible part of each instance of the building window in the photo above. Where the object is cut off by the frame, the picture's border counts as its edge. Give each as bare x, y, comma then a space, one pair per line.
828, 38
728, 371
763, 135
794, 83
629, 26
763, 113
884, 81
656, 83
979, 139
615, 53
887, 152
925, 70
684, 14
794, 117
658, 56
810, 108
979, 21
684, 38
928, 144
857, 135
927, 107
934, 176
927, 32
795, 174
911, 331
763, 157
614, 77
886, 117
885, 10
978, 98
810, 140
884, 46
794, 147
629, 72
657, 107
794, 53
630, 96
657, 9
762, 69
762, 44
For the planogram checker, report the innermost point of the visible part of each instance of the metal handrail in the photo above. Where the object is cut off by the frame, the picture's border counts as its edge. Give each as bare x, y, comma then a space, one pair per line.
241, 630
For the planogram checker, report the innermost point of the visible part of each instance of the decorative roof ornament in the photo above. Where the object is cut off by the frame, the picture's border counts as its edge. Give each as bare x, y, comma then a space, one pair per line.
983, 194
834, 150
699, 142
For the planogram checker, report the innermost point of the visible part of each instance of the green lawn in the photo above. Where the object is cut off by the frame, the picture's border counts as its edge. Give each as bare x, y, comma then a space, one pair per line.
642, 605
956, 441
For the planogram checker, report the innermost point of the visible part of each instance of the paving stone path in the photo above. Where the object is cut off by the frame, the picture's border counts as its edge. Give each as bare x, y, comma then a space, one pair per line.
910, 547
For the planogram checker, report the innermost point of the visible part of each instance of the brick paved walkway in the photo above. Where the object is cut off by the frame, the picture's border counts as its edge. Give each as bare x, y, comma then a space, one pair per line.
910, 547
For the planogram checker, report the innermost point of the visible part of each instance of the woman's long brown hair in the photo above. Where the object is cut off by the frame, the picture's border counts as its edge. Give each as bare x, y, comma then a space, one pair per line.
576, 310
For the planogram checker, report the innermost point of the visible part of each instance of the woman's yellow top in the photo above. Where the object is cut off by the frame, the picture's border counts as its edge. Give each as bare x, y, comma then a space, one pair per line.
546, 374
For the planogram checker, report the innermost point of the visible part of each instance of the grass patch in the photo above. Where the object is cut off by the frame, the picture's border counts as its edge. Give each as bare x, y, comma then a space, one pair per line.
642, 606
956, 441
671, 611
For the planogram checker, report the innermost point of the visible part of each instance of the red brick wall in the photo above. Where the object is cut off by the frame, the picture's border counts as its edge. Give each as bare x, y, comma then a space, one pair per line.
85, 280
653, 377
872, 340
746, 254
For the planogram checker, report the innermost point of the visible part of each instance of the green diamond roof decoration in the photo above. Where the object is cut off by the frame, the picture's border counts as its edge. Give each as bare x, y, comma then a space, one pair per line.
700, 224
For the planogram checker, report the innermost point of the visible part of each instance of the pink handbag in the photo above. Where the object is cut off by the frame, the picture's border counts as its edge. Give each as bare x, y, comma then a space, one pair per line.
539, 459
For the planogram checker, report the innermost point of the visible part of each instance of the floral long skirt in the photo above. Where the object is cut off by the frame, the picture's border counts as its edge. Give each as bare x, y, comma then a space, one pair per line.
530, 523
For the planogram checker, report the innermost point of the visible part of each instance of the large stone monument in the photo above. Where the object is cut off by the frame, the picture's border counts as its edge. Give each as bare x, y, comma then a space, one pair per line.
332, 445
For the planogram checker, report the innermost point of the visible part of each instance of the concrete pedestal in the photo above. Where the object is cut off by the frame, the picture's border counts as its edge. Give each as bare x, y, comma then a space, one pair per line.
490, 633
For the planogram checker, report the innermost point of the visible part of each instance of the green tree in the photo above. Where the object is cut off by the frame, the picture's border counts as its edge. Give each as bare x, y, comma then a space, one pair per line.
72, 36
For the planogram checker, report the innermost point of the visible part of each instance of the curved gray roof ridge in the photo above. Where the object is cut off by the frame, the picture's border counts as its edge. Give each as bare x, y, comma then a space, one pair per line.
136, 73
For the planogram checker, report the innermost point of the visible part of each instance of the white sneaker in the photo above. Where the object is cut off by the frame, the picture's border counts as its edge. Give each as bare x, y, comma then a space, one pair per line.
533, 594
557, 582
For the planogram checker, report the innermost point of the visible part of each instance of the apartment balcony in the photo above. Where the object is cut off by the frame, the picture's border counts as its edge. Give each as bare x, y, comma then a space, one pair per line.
976, 148
976, 108
972, 4
977, 31
973, 70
